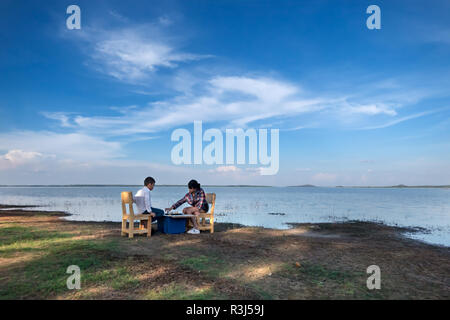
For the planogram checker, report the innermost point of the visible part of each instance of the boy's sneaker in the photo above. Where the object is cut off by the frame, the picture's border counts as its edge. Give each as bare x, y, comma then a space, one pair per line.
194, 231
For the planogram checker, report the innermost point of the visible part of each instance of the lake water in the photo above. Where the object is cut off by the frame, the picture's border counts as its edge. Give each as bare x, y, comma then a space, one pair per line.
272, 207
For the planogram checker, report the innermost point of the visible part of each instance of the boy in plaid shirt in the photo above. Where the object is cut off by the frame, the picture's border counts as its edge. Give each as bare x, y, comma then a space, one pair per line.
197, 199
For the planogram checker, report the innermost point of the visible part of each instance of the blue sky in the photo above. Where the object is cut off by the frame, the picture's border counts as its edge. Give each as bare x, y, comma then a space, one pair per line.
98, 105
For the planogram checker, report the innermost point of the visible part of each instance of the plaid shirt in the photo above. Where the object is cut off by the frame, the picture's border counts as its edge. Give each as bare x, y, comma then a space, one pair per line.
197, 200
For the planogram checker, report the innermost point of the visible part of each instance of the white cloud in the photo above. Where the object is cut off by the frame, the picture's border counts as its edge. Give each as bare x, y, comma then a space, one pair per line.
16, 158
236, 100
372, 109
51, 170
62, 117
134, 53
74, 146
51, 158
19, 156
118, 16
265, 89
241, 101
225, 169
165, 20
402, 119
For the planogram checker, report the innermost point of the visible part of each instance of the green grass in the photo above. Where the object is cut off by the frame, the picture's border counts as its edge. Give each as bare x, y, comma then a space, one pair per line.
20, 236
317, 273
210, 265
216, 267
263, 294
176, 291
44, 275
39, 257
343, 283
117, 276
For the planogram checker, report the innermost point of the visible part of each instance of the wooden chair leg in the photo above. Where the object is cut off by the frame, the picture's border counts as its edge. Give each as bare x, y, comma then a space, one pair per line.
131, 229
149, 227
124, 227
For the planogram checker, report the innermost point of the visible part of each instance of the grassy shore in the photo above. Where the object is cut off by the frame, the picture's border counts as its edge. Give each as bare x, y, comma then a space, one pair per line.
309, 261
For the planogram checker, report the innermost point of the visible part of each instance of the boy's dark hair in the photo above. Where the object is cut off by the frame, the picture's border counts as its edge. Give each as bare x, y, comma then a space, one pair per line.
193, 184
149, 180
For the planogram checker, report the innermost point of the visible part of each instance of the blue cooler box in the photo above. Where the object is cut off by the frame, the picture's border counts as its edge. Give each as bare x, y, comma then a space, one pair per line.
171, 225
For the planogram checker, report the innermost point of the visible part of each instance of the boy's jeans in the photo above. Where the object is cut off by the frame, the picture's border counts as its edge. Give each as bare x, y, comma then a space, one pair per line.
158, 212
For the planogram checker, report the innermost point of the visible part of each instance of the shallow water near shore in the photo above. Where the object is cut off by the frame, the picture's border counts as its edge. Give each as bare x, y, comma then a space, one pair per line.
271, 207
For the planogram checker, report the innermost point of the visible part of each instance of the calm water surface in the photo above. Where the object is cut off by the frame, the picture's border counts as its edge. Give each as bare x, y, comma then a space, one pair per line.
266, 206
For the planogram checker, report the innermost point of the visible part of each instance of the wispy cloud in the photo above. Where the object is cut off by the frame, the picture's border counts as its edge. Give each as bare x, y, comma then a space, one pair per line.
403, 119
133, 53
242, 101
64, 118
372, 109
236, 100
118, 16
129, 56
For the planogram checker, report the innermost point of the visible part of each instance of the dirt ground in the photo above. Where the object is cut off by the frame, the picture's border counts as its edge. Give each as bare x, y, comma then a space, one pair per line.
308, 261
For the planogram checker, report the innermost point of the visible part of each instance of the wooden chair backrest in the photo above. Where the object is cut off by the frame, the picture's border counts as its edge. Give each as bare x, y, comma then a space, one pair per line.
211, 199
127, 198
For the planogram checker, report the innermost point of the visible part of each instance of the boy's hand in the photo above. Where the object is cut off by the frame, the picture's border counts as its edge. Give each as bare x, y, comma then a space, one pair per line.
167, 209
153, 214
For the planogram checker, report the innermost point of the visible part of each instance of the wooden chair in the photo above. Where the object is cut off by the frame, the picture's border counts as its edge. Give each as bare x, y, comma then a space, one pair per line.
130, 217
201, 219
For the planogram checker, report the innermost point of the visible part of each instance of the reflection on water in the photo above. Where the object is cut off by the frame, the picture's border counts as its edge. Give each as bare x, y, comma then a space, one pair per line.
260, 206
